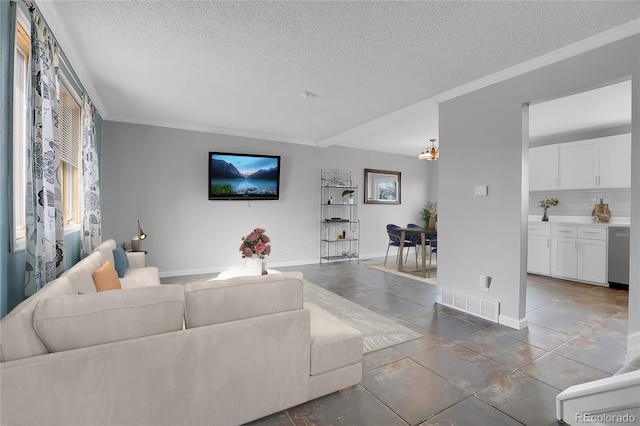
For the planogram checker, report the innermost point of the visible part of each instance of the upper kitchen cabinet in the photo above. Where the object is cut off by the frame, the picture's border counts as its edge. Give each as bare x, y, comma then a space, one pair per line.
543, 168
588, 164
578, 165
615, 162
595, 163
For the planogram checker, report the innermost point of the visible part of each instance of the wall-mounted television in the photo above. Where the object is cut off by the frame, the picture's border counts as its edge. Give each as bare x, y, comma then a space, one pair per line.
243, 176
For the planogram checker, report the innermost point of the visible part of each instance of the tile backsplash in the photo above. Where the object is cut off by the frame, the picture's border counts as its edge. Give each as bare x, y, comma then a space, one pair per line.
581, 202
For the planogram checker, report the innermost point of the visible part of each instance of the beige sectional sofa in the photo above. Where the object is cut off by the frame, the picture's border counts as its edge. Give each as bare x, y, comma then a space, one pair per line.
216, 353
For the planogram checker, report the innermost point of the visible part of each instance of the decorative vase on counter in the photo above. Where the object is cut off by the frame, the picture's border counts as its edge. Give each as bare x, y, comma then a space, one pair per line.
545, 217
432, 222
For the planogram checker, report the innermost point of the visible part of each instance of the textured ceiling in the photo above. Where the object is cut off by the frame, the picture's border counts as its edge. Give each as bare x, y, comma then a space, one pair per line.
238, 67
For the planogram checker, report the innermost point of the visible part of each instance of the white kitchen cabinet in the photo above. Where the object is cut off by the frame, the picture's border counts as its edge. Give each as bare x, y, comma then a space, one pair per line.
579, 252
615, 162
564, 259
578, 165
543, 168
538, 249
595, 163
592, 264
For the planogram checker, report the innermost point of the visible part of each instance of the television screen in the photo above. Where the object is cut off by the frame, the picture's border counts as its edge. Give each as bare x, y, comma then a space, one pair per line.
243, 176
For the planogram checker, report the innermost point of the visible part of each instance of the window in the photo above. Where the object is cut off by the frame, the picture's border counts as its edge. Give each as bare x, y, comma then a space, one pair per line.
70, 134
20, 130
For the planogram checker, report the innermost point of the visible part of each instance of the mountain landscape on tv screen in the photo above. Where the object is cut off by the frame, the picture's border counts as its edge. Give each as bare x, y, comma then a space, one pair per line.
227, 180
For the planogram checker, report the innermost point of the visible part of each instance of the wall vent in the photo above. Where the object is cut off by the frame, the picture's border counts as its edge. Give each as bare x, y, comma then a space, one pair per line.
483, 308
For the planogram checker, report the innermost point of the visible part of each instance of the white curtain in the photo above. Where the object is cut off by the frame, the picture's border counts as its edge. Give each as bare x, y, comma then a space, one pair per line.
44, 228
91, 217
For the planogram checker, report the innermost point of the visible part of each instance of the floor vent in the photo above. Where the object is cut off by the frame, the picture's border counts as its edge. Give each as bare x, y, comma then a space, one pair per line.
487, 309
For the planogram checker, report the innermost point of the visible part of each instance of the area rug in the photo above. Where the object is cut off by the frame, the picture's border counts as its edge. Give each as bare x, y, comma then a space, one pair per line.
410, 272
378, 331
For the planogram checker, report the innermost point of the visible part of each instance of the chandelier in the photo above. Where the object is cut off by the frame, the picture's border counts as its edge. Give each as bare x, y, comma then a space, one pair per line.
431, 152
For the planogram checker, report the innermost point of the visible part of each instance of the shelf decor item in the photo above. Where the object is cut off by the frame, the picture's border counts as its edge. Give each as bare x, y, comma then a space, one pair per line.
348, 192
545, 204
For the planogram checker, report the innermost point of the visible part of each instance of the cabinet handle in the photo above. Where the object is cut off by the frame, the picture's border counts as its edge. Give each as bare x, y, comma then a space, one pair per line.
590, 232
547, 243
596, 180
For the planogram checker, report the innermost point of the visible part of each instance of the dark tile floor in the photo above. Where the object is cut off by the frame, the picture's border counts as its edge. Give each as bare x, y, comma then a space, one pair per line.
467, 371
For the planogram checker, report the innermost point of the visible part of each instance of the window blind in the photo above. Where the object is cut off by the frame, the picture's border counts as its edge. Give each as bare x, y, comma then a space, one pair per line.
69, 128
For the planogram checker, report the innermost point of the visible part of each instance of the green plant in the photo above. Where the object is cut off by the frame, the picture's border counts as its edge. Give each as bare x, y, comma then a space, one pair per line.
347, 192
430, 209
545, 204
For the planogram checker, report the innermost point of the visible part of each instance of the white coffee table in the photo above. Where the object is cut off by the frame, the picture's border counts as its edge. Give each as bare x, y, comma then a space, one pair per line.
240, 272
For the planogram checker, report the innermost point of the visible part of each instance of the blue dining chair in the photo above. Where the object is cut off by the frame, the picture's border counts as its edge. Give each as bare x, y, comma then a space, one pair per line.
394, 240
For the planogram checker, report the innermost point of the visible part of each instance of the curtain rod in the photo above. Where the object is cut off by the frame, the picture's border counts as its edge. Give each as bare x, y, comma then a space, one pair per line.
29, 4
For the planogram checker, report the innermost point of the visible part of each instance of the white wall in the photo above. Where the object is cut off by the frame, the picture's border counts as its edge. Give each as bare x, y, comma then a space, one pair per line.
159, 175
481, 143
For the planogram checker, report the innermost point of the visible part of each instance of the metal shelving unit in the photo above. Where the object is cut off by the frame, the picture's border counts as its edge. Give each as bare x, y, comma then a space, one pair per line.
340, 226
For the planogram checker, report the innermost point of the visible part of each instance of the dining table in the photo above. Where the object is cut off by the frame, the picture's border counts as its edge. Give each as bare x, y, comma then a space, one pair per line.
426, 235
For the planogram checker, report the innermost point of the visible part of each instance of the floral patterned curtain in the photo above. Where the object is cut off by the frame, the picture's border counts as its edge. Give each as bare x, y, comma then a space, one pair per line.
91, 217
45, 233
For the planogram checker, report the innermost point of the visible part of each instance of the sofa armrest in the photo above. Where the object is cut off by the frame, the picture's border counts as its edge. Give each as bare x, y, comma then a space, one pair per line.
219, 301
137, 259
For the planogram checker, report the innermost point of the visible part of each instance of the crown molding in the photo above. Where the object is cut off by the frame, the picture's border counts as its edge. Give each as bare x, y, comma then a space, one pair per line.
210, 129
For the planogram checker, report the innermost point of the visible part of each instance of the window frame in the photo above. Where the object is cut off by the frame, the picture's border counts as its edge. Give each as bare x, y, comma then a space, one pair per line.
20, 131
71, 180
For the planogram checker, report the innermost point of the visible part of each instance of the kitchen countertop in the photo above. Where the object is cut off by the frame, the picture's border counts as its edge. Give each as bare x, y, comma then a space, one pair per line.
579, 220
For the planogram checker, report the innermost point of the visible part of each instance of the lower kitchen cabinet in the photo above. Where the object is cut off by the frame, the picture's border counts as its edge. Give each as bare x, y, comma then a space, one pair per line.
538, 252
592, 261
580, 253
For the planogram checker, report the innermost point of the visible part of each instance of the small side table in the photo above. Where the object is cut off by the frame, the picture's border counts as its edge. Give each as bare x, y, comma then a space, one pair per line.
239, 272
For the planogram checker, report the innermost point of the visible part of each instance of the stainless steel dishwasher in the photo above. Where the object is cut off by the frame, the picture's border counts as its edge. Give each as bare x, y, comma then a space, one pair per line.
618, 256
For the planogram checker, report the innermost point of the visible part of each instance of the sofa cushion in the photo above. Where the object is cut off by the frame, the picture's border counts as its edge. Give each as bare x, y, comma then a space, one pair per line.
71, 322
106, 278
121, 261
333, 343
81, 274
106, 250
19, 338
141, 277
213, 302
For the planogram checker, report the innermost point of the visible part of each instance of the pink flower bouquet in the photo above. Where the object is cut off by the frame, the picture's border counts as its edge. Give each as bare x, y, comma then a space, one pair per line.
256, 243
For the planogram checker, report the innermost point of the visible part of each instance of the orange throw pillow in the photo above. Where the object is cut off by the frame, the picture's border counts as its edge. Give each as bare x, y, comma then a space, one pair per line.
106, 278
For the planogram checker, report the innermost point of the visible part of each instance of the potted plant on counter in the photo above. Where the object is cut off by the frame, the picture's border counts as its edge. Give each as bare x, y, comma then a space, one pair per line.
545, 204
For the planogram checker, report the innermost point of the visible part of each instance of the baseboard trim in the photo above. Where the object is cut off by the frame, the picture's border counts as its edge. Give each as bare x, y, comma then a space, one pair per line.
510, 322
633, 346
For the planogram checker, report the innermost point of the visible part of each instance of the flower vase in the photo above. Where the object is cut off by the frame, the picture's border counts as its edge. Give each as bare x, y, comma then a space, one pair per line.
254, 265
432, 222
545, 217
